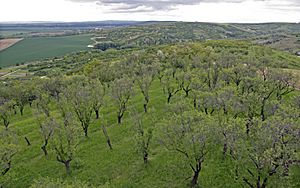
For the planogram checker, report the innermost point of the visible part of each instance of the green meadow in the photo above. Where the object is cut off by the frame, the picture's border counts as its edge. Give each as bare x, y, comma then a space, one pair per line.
37, 48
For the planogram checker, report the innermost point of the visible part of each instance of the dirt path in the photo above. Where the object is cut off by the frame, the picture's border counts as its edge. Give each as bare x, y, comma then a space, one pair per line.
2, 76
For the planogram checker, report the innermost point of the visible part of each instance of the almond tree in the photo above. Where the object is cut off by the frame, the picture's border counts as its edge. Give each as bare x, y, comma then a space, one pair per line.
53, 86
8, 149
21, 96
47, 127
144, 77
79, 96
267, 151
42, 102
185, 80
189, 134
143, 136
43, 118
65, 141
97, 92
6, 111
121, 93
170, 86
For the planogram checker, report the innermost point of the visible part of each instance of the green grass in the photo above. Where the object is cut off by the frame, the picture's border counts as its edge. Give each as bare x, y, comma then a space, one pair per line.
31, 49
122, 167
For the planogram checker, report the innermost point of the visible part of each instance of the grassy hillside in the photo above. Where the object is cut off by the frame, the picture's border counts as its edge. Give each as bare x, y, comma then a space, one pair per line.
32, 49
153, 33
122, 166
283, 36
240, 83
75, 62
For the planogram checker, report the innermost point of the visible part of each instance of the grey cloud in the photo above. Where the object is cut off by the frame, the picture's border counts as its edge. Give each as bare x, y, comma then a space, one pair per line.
124, 6
127, 6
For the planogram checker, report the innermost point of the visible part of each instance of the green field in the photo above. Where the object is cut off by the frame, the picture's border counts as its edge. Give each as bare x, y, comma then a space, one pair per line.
121, 167
31, 49
93, 164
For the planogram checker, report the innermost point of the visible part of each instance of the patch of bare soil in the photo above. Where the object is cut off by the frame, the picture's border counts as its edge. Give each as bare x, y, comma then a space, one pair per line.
6, 43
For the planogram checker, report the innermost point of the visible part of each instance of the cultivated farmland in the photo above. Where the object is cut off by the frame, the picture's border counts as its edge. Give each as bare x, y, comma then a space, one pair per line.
6, 43
31, 49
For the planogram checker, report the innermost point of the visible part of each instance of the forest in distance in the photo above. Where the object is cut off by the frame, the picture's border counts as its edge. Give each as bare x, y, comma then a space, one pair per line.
217, 113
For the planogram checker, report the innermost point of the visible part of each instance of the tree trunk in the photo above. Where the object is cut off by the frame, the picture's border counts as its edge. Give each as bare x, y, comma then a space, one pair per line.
6, 123
67, 166
247, 128
248, 125
145, 108
28, 142
264, 185
120, 118
107, 137
160, 78
285, 168
145, 157
6, 169
225, 149
45, 149
262, 111
195, 103
206, 111
225, 110
169, 98
195, 178
97, 114
258, 182
15, 111
21, 110
85, 131
186, 92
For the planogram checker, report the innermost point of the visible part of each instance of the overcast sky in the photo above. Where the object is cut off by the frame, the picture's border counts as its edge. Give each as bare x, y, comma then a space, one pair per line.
179, 10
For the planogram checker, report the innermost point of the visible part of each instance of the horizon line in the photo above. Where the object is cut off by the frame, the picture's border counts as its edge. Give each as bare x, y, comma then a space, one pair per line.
86, 21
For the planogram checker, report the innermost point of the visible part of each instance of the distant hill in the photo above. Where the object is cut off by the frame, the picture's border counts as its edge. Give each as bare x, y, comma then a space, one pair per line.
131, 34
153, 33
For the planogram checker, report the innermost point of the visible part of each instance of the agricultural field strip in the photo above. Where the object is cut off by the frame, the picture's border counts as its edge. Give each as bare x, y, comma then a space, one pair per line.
37, 48
6, 43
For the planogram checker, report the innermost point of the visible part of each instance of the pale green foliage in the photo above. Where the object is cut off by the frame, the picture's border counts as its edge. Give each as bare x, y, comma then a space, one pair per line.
269, 150
42, 103
144, 76
21, 95
8, 149
97, 95
170, 87
79, 96
65, 140
184, 78
190, 134
121, 92
47, 127
143, 135
6, 111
